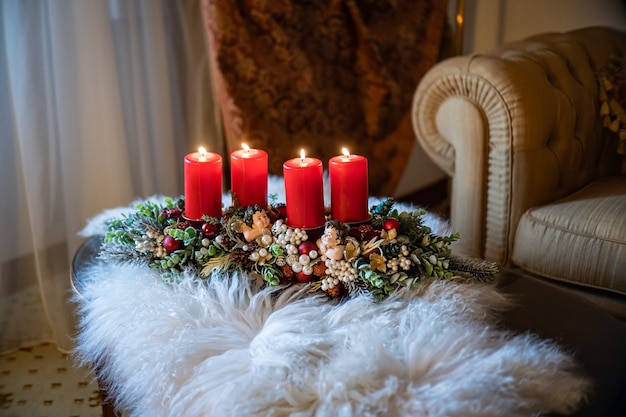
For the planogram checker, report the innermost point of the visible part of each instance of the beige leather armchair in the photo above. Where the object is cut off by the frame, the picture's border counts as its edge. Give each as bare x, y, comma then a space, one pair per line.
535, 177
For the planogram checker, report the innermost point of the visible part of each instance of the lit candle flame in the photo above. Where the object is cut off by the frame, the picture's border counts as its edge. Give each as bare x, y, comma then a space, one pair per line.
301, 155
346, 152
203, 153
245, 147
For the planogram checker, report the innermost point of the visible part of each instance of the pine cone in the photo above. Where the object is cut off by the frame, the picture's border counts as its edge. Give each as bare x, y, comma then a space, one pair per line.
227, 242
336, 291
241, 258
319, 269
287, 271
393, 250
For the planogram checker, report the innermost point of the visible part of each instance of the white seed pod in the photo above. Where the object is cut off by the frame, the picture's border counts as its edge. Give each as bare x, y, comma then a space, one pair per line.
292, 259
280, 261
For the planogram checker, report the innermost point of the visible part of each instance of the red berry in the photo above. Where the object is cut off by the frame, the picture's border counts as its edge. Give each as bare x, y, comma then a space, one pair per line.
210, 230
391, 223
302, 277
170, 244
305, 247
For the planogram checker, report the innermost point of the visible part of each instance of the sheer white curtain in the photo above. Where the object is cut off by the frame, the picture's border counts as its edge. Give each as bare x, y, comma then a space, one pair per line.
100, 100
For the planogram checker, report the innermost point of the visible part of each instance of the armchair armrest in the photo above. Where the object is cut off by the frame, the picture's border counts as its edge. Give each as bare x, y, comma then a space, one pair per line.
516, 127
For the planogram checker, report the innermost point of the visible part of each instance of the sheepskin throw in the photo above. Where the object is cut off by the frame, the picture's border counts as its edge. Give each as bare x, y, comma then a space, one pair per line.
229, 346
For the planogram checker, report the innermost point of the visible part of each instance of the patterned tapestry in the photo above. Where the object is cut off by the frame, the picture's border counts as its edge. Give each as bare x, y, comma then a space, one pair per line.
322, 75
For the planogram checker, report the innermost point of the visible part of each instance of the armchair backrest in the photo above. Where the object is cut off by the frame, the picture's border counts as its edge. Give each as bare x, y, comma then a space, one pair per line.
516, 127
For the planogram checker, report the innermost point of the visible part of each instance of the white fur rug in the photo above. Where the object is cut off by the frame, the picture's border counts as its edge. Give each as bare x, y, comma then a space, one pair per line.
225, 347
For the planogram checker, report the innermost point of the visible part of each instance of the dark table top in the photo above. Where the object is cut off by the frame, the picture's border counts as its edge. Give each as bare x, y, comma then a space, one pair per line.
596, 338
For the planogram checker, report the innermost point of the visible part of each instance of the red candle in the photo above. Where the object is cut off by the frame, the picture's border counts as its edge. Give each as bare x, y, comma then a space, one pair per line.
203, 184
348, 187
304, 192
248, 176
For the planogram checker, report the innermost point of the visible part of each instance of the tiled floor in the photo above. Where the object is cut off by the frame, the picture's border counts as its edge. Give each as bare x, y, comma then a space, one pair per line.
40, 381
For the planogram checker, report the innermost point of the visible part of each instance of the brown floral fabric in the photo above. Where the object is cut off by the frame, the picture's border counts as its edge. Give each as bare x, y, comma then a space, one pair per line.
322, 75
